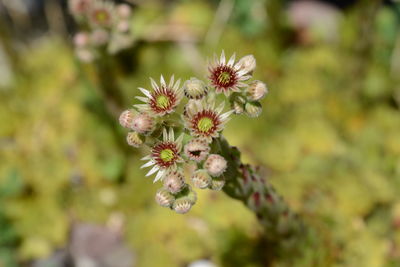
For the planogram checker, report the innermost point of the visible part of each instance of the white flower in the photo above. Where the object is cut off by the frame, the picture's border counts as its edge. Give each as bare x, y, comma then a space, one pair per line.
165, 155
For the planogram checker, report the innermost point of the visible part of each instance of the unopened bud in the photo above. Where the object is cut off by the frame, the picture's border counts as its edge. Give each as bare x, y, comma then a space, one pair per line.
257, 90
143, 123
201, 179
174, 182
126, 117
99, 37
217, 184
81, 39
134, 139
124, 11
164, 198
215, 165
197, 149
85, 55
123, 26
246, 64
253, 109
195, 88
237, 103
182, 205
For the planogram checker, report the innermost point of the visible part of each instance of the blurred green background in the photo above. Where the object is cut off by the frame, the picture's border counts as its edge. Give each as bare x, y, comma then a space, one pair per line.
329, 134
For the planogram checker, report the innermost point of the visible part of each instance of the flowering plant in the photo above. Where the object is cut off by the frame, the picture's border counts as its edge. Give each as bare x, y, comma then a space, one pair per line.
182, 125
105, 27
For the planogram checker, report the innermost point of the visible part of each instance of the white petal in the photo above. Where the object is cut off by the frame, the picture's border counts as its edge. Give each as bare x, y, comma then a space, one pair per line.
145, 92
153, 84
222, 58
171, 135
176, 86
226, 115
146, 158
165, 135
148, 164
220, 107
159, 175
143, 99
171, 81
232, 60
162, 81
153, 170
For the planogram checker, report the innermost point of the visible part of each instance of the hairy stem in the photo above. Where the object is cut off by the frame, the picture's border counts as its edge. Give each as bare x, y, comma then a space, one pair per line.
283, 229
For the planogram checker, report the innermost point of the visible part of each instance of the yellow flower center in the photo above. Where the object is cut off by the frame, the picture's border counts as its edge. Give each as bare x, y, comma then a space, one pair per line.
205, 124
162, 101
167, 155
224, 77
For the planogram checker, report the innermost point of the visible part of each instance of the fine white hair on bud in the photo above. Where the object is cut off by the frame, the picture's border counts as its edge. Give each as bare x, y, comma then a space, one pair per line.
246, 64
164, 198
81, 39
194, 88
126, 117
257, 90
253, 109
201, 179
143, 123
182, 205
215, 165
174, 182
217, 184
197, 149
124, 11
134, 139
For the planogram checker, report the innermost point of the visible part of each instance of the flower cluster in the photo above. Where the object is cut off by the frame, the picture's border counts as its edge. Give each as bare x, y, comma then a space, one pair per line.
180, 123
106, 27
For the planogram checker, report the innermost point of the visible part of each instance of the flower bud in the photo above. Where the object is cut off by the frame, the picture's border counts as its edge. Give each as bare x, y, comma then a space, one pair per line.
195, 88
85, 55
201, 179
215, 165
182, 205
253, 109
123, 26
164, 198
99, 37
257, 90
81, 39
237, 103
126, 117
143, 123
246, 64
174, 182
217, 184
191, 107
134, 139
124, 11
197, 149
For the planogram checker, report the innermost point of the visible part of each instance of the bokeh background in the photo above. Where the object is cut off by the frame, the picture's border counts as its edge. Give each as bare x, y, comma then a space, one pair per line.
72, 193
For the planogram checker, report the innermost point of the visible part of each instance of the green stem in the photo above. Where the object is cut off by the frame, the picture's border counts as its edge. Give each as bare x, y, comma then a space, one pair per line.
283, 229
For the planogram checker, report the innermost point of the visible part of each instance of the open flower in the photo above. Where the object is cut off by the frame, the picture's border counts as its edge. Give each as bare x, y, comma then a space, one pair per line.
164, 155
164, 98
101, 14
227, 77
205, 121
79, 7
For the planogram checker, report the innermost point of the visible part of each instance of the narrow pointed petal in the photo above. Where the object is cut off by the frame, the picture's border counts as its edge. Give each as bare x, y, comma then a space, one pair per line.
143, 99
146, 158
148, 164
159, 175
222, 58
165, 135
153, 170
171, 81
145, 92
232, 60
153, 83
171, 135
162, 81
